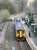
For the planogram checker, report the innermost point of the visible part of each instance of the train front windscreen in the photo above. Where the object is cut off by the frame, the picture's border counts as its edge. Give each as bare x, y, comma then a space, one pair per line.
17, 23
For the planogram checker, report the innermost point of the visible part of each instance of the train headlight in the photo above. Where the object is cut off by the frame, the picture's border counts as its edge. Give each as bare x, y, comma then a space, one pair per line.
24, 35
17, 34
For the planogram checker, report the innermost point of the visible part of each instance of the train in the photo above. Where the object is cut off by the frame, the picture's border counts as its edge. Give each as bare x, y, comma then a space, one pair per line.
20, 31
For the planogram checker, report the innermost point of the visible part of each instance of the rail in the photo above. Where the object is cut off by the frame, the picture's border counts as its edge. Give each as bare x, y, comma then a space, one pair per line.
29, 40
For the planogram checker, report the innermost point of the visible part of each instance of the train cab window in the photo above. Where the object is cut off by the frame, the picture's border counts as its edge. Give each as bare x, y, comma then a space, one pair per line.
23, 19
17, 20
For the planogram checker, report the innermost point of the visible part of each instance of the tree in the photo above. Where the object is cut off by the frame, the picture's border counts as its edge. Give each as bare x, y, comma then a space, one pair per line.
31, 20
6, 4
4, 14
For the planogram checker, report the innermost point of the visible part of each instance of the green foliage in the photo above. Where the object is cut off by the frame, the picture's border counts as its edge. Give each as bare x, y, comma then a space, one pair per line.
6, 4
31, 20
4, 14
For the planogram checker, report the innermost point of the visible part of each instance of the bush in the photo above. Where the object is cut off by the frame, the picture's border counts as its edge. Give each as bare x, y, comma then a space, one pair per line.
4, 14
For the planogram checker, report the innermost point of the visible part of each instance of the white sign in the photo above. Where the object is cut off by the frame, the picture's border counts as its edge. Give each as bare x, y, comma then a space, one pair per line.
33, 24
